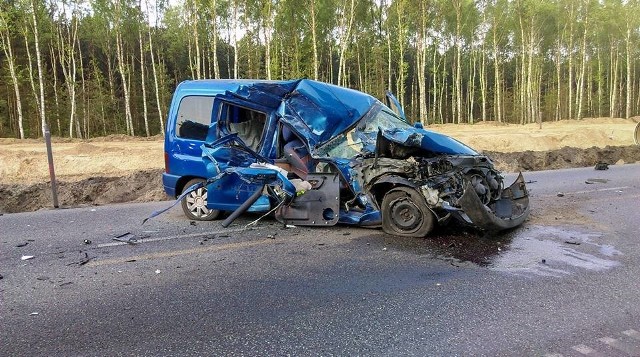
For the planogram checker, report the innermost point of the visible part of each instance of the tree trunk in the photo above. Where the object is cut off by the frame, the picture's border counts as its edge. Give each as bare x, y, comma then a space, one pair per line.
5, 41
36, 39
314, 39
458, 70
496, 74
344, 41
155, 76
421, 58
628, 81
145, 114
123, 69
570, 54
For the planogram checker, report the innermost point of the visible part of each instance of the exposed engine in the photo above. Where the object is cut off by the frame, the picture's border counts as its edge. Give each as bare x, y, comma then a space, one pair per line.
449, 176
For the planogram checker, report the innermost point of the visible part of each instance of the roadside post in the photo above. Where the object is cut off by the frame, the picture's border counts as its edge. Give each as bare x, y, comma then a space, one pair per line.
52, 172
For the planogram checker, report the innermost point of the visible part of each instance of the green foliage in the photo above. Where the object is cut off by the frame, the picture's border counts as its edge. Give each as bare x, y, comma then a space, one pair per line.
527, 60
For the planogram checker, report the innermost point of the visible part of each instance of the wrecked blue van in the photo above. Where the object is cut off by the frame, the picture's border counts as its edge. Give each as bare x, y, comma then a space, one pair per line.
316, 154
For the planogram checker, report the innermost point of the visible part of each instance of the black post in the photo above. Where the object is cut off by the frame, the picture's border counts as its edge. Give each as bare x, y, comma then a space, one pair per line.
243, 207
52, 172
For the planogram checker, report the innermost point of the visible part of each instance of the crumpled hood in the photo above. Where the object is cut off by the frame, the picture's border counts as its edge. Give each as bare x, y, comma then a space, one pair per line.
425, 139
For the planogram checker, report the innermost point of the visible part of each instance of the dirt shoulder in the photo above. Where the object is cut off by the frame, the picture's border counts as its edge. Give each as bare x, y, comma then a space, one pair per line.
118, 169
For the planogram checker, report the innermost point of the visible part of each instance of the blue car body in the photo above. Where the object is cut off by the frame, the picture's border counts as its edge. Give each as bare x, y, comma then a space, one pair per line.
320, 154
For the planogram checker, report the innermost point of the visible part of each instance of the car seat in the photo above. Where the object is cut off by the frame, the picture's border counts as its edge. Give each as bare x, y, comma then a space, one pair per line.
295, 152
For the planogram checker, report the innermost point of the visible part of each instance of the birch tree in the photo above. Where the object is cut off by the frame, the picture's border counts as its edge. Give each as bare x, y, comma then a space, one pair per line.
7, 48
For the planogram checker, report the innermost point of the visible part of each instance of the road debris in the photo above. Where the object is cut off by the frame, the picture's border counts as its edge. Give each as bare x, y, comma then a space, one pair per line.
560, 194
27, 257
126, 238
601, 166
34, 314
596, 180
83, 261
158, 271
86, 241
572, 242
22, 245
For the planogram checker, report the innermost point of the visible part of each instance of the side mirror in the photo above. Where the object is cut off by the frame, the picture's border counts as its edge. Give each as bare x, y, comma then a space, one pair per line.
418, 125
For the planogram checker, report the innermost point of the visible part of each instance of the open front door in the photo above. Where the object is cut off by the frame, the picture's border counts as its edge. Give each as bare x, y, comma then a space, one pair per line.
393, 104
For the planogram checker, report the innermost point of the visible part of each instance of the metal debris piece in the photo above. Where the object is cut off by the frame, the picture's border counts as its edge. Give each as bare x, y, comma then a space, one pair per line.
560, 194
601, 166
596, 180
84, 260
572, 242
22, 244
126, 238
27, 257
34, 314
86, 241
271, 236
158, 271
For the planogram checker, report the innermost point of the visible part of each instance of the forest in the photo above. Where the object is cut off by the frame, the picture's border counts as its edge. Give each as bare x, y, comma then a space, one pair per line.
90, 68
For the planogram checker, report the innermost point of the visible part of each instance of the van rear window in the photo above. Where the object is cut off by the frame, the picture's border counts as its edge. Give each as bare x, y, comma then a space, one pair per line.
194, 117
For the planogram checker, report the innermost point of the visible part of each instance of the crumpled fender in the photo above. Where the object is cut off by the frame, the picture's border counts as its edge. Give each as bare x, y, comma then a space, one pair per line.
510, 211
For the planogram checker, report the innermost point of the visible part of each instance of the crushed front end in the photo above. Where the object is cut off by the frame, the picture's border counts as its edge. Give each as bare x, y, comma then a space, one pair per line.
453, 181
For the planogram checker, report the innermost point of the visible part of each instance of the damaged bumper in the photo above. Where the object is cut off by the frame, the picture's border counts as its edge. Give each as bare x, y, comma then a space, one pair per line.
511, 210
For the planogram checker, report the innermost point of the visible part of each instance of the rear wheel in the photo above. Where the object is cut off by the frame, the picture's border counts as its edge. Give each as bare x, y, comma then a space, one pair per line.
405, 213
194, 204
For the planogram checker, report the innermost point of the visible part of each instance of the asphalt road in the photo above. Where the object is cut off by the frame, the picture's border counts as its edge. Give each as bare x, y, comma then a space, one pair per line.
566, 283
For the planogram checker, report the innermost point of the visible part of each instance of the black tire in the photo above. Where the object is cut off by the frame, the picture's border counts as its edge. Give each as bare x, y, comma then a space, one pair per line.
194, 204
405, 213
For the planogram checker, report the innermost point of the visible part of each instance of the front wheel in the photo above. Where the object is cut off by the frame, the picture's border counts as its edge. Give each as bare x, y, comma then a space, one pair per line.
194, 204
405, 213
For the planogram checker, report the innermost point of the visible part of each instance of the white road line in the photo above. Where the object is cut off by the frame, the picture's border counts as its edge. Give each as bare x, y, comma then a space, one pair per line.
177, 253
586, 350
601, 190
632, 333
621, 188
620, 346
192, 235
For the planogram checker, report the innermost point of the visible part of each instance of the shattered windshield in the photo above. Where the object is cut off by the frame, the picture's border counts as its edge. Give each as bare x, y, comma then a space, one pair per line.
362, 137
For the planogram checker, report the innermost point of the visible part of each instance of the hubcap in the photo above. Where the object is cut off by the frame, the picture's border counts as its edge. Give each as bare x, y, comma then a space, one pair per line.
405, 215
197, 203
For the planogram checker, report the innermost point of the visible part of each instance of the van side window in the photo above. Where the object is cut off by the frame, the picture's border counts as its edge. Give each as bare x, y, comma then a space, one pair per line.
194, 117
249, 124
